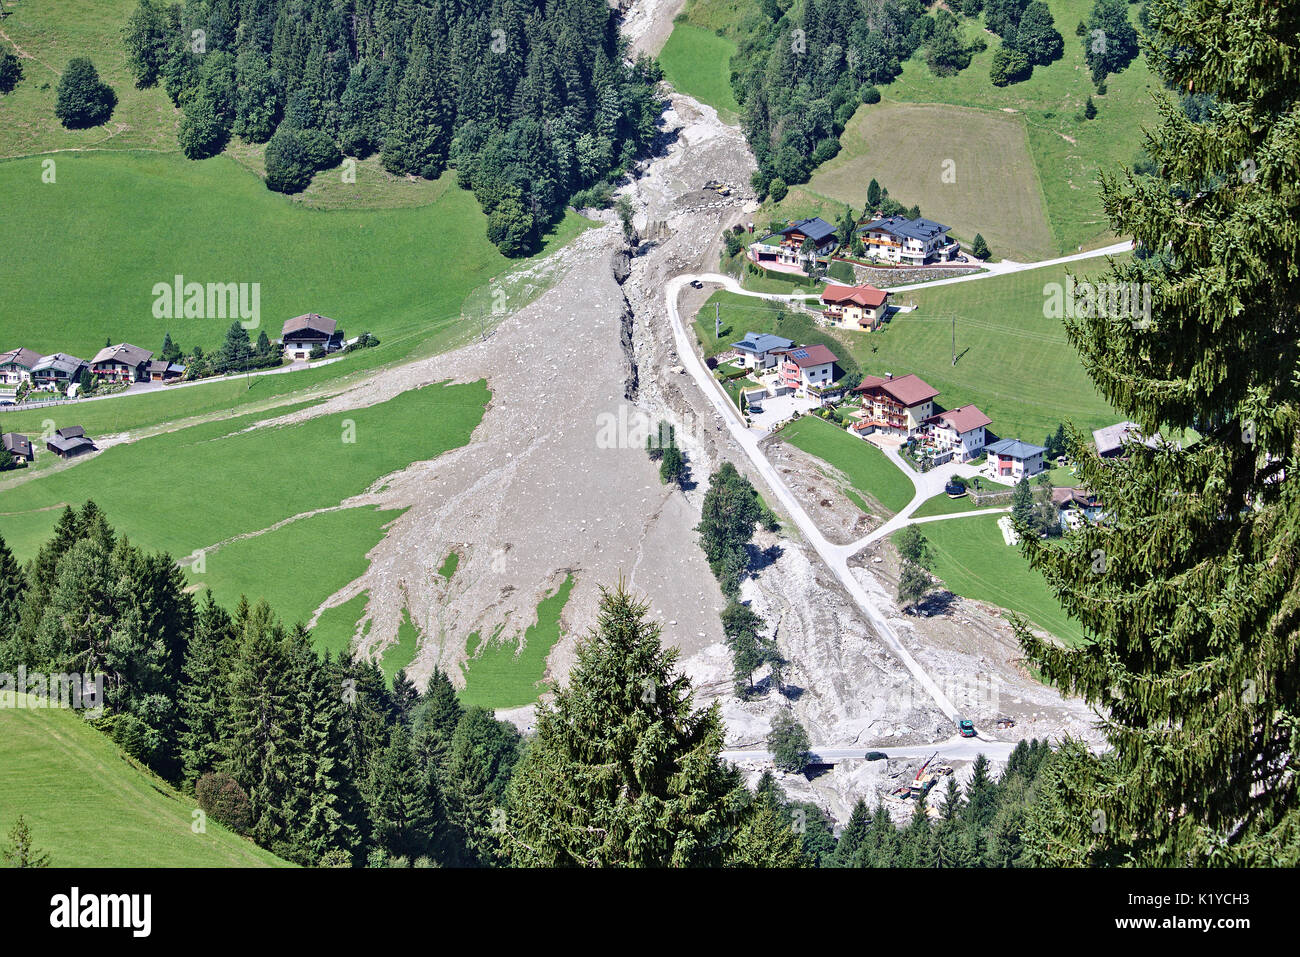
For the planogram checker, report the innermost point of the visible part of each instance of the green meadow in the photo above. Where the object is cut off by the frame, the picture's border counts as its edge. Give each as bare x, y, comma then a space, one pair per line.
90, 806
336, 627
1012, 361
974, 562
866, 467
696, 62
501, 674
297, 566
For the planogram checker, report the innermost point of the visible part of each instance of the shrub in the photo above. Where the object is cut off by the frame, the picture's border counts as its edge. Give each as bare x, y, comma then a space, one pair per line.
870, 94
83, 99
11, 71
222, 799
778, 190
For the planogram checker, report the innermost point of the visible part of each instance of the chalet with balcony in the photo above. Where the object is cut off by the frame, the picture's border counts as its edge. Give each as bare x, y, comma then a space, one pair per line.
855, 307
122, 363
908, 242
58, 371
894, 406
785, 248
959, 431
304, 333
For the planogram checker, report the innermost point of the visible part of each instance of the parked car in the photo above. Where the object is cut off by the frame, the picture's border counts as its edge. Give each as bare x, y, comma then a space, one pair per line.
877, 756
966, 728
696, 284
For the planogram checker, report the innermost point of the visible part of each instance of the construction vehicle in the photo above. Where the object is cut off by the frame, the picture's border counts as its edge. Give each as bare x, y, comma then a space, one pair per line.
927, 776
1005, 723
966, 728
722, 189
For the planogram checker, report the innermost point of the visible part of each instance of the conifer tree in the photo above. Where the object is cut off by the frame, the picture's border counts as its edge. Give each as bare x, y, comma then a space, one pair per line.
623, 769
1187, 591
203, 690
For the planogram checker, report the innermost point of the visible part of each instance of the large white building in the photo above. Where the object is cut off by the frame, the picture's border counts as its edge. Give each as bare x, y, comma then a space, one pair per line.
912, 242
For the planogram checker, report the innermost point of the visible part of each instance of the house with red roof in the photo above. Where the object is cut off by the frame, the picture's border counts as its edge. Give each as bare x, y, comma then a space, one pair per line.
855, 307
894, 406
808, 371
960, 431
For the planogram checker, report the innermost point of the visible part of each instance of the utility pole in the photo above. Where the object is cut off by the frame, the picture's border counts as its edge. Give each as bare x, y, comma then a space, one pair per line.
954, 338
717, 323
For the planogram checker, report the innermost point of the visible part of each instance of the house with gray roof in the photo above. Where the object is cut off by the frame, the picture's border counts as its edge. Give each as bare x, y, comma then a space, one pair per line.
789, 251
301, 334
759, 350
18, 445
911, 242
58, 371
70, 441
122, 363
16, 365
1110, 440
1012, 459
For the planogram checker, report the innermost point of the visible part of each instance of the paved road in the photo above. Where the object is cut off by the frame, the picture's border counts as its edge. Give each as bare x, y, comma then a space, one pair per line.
953, 749
832, 555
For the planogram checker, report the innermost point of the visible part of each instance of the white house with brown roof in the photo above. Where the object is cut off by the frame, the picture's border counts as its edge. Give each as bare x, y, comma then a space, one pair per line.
960, 430
302, 334
806, 370
855, 307
122, 363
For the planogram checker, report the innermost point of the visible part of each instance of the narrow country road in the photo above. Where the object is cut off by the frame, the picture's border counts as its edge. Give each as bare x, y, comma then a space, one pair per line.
953, 749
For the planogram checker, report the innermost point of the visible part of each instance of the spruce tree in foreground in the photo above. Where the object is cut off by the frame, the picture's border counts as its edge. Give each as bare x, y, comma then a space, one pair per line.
20, 852
1188, 590
624, 770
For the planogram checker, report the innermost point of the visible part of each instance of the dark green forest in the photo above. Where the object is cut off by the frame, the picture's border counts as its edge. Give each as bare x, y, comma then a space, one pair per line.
529, 101
326, 763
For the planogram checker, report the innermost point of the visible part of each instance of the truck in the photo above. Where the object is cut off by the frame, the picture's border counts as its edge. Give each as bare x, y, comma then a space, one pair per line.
966, 728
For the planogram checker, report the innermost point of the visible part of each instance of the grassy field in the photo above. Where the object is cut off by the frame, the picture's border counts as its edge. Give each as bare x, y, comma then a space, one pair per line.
223, 482
742, 314
502, 675
298, 566
866, 467
941, 504
970, 169
88, 806
336, 627
696, 62
391, 272
974, 562
400, 655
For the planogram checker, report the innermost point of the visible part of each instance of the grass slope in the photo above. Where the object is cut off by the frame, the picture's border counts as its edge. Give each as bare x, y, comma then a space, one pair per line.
222, 482
88, 806
865, 465
336, 627
974, 562
503, 675
696, 62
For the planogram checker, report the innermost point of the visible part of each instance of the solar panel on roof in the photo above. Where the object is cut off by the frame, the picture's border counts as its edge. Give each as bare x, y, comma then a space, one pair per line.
801, 354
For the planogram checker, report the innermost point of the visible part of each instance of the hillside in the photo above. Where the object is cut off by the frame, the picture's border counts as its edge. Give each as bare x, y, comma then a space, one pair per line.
1021, 163
88, 806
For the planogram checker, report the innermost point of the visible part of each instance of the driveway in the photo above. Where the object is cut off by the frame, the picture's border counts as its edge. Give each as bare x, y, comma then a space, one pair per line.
776, 409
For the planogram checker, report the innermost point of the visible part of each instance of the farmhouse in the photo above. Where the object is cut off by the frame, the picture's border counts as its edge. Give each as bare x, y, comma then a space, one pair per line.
1013, 459
70, 441
16, 365
303, 333
1075, 506
19, 446
122, 363
1110, 440
808, 370
894, 406
912, 242
959, 431
758, 350
59, 370
855, 307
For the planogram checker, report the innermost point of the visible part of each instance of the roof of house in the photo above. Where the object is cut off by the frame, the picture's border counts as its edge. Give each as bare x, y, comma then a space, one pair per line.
70, 432
805, 356
17, 444
909, 389
758, 342
310, 320
160, 365
1112, 437
1014, 448
20, 356
816, 229
868, 296
61, 362
962, 419
124, 353
1073, 496
73, 444
919, 228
